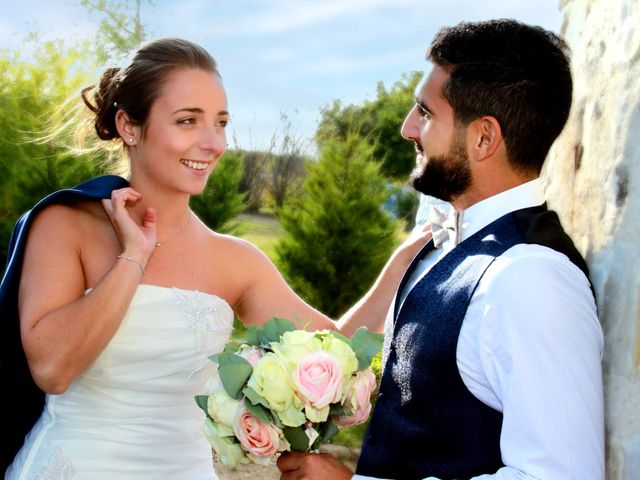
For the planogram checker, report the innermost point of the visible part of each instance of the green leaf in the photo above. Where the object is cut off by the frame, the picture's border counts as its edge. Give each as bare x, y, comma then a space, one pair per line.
365, 345
273, 329
327, 431
239, 332
275, 419
252, 336
337, 410
267, 333
296, 438
254, 398
341, 337
231, 347
258, 411
201, 400
234, 373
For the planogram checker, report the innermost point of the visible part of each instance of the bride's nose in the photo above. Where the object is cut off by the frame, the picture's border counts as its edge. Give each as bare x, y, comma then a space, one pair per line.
214, 140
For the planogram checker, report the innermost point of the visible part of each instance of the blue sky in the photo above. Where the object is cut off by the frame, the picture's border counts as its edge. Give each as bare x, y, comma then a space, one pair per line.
290, 56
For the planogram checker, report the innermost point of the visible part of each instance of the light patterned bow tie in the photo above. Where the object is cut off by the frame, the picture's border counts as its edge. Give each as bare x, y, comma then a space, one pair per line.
445, 227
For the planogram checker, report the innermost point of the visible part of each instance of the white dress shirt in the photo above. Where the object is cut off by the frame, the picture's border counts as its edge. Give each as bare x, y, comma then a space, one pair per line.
530, 346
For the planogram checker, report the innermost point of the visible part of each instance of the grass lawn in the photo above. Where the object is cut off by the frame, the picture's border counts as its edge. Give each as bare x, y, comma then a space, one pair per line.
264, 231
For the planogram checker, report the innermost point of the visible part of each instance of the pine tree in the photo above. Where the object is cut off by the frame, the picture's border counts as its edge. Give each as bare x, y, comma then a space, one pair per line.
221, 201
338, 236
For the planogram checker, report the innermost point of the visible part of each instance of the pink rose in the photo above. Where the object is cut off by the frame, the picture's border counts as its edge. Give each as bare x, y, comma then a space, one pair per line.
257, 438
251, 355
318, 380
358, 398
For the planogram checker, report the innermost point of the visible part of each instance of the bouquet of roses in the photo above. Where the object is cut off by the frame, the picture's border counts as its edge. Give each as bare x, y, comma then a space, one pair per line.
284, 389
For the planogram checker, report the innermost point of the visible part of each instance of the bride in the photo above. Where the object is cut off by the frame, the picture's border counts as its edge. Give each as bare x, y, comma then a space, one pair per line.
121, 292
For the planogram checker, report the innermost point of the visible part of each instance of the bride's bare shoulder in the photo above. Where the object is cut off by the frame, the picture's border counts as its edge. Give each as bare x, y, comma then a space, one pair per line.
232, 243
69, 217
238, 250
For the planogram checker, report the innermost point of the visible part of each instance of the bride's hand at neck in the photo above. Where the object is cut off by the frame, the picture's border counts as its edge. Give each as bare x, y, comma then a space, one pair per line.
137, 240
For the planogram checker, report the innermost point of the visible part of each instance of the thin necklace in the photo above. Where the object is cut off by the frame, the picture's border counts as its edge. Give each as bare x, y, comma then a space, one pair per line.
178, 232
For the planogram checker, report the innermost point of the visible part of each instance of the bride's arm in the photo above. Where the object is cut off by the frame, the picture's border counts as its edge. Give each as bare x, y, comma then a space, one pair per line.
371, 310
264, 292
267, 295
62, 329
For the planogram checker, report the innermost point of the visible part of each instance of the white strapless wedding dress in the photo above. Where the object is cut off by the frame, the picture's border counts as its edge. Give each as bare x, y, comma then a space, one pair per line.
132, 413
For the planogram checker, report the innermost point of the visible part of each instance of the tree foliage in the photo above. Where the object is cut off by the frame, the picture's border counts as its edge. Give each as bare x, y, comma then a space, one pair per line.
40, 107
120, 28
379, 121
221, 200
337, 235
33, 166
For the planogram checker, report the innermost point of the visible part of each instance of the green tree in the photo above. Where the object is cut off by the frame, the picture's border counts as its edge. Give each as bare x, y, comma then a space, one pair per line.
33, 165
379, 121
36, 84
337, 235
221, 200
120, 28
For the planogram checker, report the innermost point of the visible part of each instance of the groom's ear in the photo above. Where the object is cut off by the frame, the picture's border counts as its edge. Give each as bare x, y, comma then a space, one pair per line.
485, 137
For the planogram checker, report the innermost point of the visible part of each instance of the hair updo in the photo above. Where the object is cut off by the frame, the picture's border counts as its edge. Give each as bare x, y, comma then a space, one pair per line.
135, 88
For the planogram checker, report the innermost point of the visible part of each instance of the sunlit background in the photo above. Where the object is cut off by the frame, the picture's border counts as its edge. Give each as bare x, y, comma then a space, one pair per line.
287, 56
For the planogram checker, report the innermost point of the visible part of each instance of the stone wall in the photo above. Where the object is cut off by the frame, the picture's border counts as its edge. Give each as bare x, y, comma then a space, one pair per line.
591, 179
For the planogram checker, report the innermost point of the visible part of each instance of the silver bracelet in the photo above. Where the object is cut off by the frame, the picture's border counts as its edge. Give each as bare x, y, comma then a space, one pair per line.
131, 259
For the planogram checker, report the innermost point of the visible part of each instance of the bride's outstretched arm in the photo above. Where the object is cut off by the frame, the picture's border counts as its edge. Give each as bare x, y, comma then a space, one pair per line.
267, 295
371, 310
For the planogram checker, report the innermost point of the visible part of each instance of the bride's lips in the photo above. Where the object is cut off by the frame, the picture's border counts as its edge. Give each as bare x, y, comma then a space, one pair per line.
195, 165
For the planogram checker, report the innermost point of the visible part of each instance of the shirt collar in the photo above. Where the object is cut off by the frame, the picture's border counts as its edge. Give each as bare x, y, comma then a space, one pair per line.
481, 214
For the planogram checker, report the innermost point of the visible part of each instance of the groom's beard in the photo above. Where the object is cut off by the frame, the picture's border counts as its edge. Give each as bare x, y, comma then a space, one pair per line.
444, 176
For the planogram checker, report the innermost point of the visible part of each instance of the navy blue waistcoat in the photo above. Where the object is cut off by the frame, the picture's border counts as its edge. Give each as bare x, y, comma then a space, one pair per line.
22, 400
426, 422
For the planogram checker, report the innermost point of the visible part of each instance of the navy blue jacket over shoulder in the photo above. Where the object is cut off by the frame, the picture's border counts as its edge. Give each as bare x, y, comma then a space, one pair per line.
22, 400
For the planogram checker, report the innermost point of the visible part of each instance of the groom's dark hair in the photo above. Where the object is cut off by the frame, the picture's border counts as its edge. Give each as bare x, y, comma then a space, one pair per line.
514, 72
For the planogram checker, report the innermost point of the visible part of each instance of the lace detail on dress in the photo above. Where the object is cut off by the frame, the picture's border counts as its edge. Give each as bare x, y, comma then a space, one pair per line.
59, 468
204, 313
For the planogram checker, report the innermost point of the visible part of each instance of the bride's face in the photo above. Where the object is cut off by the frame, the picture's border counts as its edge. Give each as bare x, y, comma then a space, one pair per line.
185, 134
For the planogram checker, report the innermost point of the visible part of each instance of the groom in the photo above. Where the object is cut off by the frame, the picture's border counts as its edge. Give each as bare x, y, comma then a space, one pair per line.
493, 347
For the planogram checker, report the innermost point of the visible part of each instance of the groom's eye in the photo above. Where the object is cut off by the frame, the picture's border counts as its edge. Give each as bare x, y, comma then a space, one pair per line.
423, 111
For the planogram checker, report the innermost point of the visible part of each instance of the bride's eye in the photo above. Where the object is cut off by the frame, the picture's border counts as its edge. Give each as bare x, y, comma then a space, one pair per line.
187, 121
